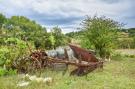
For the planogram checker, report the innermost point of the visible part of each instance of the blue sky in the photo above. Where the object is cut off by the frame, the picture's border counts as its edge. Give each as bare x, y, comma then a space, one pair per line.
68, 14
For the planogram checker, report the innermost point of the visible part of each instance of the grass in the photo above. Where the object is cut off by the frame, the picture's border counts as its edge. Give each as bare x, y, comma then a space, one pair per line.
126, 51
115, 75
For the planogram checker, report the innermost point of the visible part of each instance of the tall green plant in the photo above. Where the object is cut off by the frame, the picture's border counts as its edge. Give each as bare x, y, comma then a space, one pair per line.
57, 37
101, 34
4, 55
2, 20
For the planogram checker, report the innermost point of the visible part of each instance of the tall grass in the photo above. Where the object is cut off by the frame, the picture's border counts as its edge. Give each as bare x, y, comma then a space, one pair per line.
115, 75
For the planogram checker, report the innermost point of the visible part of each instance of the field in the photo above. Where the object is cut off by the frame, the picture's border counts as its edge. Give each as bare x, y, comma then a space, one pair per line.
118, 74
126, 51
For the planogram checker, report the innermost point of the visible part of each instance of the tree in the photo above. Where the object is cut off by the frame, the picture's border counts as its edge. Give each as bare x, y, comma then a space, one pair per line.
2, 20
101, 34
58, 38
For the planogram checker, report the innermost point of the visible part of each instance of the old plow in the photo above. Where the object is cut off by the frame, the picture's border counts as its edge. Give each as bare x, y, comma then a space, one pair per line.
85, 63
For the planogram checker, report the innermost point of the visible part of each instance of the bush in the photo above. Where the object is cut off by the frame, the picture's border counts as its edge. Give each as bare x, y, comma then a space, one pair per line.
130, 56
4, 55
101, 33
11, 72
15, 48
4, 72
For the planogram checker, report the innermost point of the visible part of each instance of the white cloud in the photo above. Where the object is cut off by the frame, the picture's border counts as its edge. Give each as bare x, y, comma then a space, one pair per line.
70, 7
80, 7
116, 9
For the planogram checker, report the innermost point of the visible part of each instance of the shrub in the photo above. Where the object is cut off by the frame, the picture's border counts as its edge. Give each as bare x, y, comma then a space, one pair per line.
15, 48
130, 56
4, 55
2, 72
101, 33
11, 72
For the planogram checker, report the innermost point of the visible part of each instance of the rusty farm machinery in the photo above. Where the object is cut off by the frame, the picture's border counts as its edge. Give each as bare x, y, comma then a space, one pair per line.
85, 63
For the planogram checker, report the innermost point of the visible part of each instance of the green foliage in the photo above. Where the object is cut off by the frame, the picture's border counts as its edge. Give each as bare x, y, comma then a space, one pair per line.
57, 37
117, 56
11, 72
127, 38
29, 29
3, 71
134, 41
130, 56
131, 31
101, 33
15, 48
19, 31
76, 35
85, 43
20, 44
115, 75
2, 20
4, 55
7, 72
52, 40
21, 28
11, 41
126, 43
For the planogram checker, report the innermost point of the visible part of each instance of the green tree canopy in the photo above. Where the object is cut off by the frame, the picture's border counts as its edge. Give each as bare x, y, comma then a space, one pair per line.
2, 20
58, 38
101, 34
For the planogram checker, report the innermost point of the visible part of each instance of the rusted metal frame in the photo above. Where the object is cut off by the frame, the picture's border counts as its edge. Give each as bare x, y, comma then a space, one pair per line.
55, 60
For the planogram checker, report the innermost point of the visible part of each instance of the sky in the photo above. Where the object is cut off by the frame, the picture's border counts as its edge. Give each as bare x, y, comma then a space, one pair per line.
68, 14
